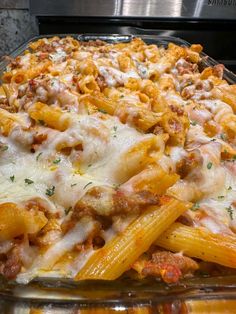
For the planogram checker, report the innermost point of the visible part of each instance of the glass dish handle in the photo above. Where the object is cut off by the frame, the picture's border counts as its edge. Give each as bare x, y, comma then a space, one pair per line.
105, 37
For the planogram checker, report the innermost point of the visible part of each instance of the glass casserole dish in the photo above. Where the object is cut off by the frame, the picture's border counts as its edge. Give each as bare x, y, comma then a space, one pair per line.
67, 296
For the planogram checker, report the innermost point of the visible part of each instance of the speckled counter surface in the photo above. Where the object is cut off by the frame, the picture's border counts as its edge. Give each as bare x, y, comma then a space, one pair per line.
16, 26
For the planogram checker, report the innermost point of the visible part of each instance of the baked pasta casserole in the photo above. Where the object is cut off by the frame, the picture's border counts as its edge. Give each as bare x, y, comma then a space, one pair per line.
116, 160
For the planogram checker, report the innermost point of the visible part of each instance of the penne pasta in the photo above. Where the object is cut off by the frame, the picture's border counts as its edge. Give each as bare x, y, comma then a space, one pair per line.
24, 221
103, 146
142, 118
153, 179
117, 255
200, 243
51, 117
8, 121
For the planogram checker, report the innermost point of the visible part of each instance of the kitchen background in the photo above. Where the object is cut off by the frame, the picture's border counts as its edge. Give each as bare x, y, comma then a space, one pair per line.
16, 24
209, 22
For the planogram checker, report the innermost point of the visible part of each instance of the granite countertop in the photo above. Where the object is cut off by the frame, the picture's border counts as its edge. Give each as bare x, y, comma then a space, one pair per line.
16, 25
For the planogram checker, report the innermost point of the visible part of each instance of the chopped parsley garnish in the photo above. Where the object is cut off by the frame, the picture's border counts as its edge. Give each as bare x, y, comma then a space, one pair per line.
12, 178
87, 185
42, 122
73, 184
229, 188
209, 165
122, 96
213, 140
193, 122
89, 165
4, 148
115, 129
223, 136
234, 157
143, 71
102, 110
37, 157
50, 191
230, 211
220, 196
67, 210
195, 207
56, 161
28, 181
116, 186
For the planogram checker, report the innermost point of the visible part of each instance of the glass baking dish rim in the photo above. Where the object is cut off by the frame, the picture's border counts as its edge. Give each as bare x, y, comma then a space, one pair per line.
67, 290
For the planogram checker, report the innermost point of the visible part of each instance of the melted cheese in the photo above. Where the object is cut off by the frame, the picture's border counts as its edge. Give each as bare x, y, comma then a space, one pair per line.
98, 150
100, 163
114, 76
76, 235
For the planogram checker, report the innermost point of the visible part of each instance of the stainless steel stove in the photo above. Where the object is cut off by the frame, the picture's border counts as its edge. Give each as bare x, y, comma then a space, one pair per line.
209, 22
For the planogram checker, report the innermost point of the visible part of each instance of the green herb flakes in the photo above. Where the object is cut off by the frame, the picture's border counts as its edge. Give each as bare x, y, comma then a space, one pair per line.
209, 165
28, 181
230, 211
12, 178
50, 191
56, 161
223, 136
102, 110
37, 157
87, 185
116, 186
4, 148
195, 207
67, 210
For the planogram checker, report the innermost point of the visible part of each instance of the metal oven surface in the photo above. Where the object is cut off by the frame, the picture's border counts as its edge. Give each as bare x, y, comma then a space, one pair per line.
205, 9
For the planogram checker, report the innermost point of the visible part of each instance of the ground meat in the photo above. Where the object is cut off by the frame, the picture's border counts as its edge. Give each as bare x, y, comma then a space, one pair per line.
4, 104
177, 109
46, 48
218, 70
97, 200
169, 266
188, 163
38, 139
106, 201
134, 202
93, 43
185, 67
43, 56
13, 63
188, 92
10, 264
33, 85
157, 130
174, 125
101, 82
